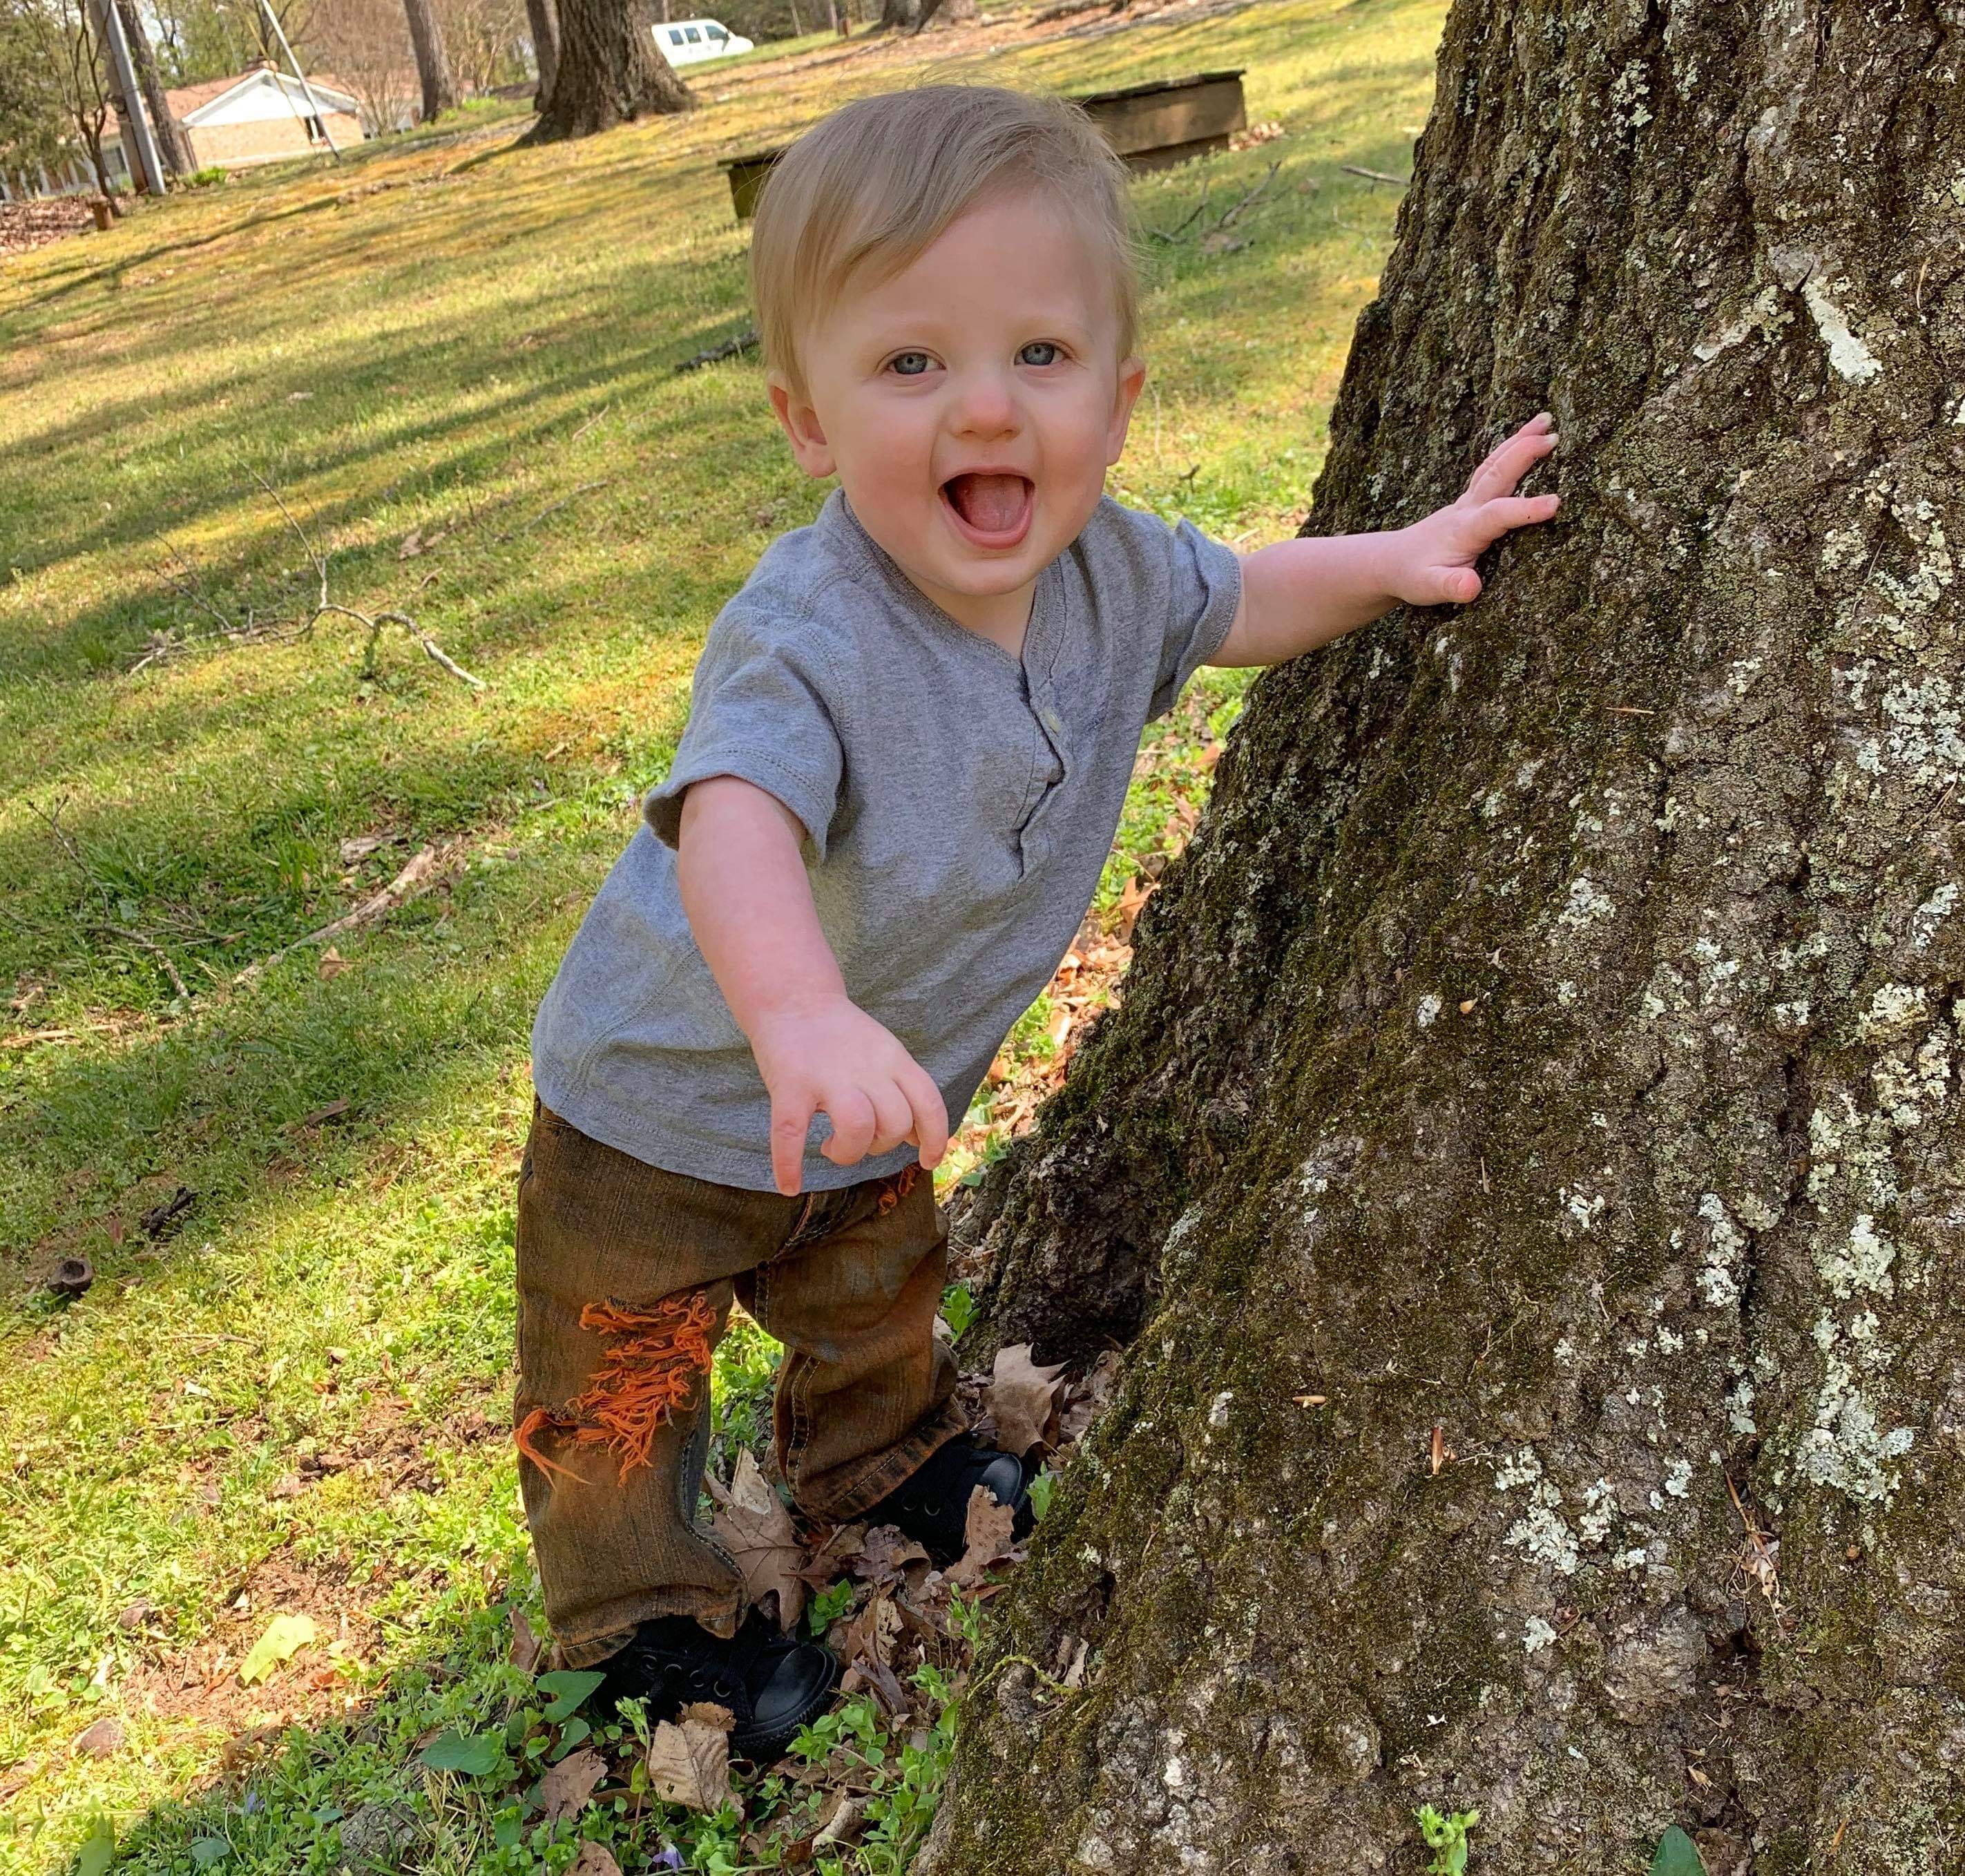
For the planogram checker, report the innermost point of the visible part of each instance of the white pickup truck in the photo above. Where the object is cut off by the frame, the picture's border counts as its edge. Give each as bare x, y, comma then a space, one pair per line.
686, 42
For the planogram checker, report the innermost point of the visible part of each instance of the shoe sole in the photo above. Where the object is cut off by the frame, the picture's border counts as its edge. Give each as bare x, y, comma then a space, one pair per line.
762, 1748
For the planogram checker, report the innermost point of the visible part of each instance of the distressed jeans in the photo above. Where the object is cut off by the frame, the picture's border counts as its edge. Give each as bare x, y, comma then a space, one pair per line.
626, 1274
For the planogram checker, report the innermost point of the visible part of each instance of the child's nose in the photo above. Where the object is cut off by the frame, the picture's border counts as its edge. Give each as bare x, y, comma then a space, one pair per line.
985, 405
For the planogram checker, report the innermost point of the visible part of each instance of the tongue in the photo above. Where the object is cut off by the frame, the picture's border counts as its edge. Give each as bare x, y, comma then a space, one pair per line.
991, 504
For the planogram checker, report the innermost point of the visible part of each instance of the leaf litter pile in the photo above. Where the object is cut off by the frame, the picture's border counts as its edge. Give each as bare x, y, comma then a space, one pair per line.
856, 1791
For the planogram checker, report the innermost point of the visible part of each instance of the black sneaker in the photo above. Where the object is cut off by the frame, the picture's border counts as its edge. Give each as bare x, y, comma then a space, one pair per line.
773, 1684
932, 1507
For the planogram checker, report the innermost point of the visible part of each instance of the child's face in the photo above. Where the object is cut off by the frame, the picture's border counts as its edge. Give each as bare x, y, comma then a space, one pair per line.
970, 404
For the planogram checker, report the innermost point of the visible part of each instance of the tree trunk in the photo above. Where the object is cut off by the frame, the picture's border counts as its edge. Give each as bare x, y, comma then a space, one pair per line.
1527, 1163
433, 62
610, 72
170, 133
545, 28
907, 15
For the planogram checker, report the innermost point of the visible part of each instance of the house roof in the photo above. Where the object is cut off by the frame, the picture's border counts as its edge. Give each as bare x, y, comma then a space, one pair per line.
181, 100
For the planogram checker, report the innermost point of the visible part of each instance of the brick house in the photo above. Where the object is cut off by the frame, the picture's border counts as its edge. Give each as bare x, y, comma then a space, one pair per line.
262, 115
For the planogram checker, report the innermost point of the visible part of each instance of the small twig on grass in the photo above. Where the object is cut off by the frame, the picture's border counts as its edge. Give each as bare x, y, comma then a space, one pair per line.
163, 645
1375, 176
1228, 217
745, 341
375, 621
1187, 220
553, 508
585, 427
143, 944
67, 843
430, 868
299, 534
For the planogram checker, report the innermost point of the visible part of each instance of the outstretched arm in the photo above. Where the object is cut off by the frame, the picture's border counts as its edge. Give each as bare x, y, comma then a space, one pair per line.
1299, 594
750, 906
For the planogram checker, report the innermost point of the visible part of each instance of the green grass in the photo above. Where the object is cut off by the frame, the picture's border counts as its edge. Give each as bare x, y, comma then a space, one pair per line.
440, 333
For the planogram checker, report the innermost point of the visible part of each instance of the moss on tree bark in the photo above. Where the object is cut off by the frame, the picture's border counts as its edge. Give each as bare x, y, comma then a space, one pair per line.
1551, 1038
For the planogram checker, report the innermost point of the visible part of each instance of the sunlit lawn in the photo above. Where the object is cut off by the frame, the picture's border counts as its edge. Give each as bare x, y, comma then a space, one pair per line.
290, 1399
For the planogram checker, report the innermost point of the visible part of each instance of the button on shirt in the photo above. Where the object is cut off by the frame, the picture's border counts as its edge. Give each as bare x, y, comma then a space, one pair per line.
958, 802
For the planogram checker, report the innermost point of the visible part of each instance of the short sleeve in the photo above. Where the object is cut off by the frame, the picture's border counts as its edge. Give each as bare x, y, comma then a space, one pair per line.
763, 708
1204, 588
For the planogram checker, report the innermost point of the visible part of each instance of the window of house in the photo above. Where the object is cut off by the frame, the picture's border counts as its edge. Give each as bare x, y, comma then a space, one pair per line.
695, 34
315, 134
675, 35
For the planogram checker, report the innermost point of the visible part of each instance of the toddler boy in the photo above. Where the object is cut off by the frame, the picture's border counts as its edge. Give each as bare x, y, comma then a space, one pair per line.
910, 740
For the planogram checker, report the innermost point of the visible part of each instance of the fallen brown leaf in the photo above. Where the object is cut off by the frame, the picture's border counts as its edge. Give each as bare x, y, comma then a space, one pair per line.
330, 965
986, 1537
100, 1740
868, 1645
843, 1825
1086, 1401
688, 1760
885, 1556
840, 1552
1021, 1398
321, 1115
594, 1859
752, 1525
566, 1787
525, 1646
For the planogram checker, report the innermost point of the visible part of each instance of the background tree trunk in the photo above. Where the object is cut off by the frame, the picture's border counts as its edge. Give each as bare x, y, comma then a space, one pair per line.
545, 28
610, 72
171, 139
1527, 1163
433, 63
912, 15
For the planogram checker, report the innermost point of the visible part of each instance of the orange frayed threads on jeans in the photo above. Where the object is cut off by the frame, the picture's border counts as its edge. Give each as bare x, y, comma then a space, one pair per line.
644, 1380
894, 1190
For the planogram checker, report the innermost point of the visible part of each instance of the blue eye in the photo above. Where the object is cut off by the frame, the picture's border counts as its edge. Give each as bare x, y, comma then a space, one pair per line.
909, 364
1046, 353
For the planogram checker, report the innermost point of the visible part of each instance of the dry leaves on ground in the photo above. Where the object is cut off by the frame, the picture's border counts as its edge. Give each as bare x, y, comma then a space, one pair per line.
1022, 1400
565, 1788
884, 1557
688, 1760
752, 1525
594, 1859
1084, 1401
526, 1647
986, 1539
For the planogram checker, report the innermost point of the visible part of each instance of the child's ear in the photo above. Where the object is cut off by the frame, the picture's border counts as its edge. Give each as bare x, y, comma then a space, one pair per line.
1132, 375
800, 422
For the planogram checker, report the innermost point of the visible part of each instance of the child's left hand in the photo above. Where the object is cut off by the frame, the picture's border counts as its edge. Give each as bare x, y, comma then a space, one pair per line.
1435, 564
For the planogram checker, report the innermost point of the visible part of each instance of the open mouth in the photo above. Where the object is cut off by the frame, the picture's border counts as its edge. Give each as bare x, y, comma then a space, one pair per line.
992, 509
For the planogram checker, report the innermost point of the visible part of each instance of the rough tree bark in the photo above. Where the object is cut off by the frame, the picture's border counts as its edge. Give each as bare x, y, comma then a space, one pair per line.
912, 16
433, 61
171, 138
610, 72
545, 28
1526, 1167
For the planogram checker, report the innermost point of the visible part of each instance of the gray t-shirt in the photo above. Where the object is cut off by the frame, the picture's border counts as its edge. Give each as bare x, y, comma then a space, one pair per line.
958, 804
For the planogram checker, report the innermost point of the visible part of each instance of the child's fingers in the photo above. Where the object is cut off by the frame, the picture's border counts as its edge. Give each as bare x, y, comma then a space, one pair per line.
1504, 511
791, 1118
1454, 586
1508, 464
892, 1120
931, 1113
853, 1124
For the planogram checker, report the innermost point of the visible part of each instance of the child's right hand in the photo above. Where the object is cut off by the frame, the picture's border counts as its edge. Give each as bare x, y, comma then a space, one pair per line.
830, 1056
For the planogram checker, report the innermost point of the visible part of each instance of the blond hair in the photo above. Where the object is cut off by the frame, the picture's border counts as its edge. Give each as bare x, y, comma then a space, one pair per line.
876, 183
